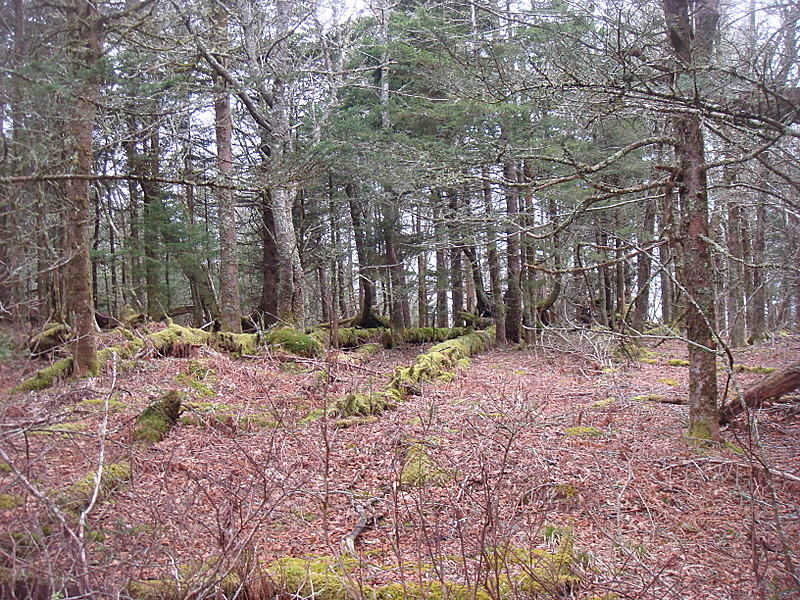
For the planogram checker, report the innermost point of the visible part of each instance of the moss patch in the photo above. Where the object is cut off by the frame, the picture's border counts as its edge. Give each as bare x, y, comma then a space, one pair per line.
583, 431
45, 378
677, 362
758, 370
667, 381
293, 341
11, 501
603, 403
419, 469
156, 420
77, 496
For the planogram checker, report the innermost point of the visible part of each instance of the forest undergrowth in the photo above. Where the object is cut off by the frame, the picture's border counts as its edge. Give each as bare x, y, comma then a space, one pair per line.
553, 471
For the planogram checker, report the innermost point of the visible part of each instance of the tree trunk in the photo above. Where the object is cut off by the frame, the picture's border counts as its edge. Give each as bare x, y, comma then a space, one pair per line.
775, 385
692, 47
358, 215
736, 287
498, 307
514, 292
268, 303
85, 21
230, 317
291, 299
456, 269
643, 269
758, 300
441, 266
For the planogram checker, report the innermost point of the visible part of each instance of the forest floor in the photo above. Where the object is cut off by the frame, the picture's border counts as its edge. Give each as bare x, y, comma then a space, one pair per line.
551, 447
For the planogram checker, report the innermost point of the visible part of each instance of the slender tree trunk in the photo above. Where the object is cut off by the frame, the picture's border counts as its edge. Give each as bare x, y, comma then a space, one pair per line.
495, 281
456, 269
441, 266
358, 215
692, 47
268, 304
514, 292
230, 317
422, 280
643, 269
758, 299
735, 284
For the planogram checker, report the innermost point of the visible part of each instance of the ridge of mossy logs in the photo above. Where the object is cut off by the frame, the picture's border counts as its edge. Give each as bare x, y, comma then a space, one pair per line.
438, 363
178, 341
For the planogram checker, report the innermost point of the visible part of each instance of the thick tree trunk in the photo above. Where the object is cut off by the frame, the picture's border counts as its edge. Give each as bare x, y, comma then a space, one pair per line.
230, 318
89, 49
775, 385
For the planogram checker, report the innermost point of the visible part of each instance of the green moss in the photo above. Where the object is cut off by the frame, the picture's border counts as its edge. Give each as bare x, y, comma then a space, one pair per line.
77, 496
667, 381
677, 362
312, 416
649, 361
368, 349
363, 405
11, 501
649, 398
99, 403
122, 351
319, 578
293, 341
62, 429
45, 378
354, 421
419, 469
735, 448
583, 431
238, 344
5, 467
758, 370
156, 420
175, 340
603, 403
155, 589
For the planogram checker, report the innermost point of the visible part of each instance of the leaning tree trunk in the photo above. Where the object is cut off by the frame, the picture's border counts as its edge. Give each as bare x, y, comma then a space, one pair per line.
692, 47
89, 49
775, 385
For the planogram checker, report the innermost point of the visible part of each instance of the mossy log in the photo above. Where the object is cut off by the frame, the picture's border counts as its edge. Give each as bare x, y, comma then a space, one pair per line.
54, 335
777, 384
438, 363
178, 341
350, 337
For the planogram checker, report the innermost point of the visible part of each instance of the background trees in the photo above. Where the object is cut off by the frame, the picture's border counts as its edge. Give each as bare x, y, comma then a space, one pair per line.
552, 165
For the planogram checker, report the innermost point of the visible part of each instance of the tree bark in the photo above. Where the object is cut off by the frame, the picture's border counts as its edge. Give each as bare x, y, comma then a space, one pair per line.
85, 22
230, 318
514, 293
268, 303
498, 307
775, 385
692, 47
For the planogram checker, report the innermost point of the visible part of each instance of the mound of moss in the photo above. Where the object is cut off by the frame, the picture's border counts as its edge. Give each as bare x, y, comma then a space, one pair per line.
294, 341
158, 418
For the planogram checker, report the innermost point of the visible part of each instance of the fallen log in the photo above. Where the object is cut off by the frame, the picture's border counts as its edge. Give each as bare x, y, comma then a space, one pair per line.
775, 385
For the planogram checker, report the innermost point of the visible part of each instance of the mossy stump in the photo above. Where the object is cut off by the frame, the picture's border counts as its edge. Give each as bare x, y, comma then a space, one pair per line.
156, 420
